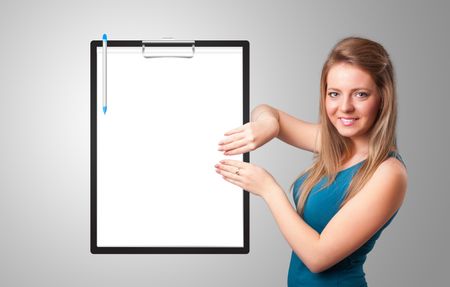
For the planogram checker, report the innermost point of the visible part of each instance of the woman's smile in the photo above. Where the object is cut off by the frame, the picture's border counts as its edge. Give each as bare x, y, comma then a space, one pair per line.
348, 122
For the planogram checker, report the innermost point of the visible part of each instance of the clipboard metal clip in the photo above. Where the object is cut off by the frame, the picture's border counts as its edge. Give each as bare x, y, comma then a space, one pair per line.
171, 49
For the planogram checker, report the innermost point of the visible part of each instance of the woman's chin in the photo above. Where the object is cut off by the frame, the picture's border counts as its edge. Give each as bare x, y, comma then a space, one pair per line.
347, 133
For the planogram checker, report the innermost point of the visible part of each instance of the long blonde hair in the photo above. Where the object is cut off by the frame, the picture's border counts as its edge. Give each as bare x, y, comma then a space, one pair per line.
336, 149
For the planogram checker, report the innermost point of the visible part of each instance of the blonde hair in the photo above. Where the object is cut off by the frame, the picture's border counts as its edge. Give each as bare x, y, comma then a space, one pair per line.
336, 149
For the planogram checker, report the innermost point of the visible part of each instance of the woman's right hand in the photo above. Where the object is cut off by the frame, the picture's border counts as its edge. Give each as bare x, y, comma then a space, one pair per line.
249, 137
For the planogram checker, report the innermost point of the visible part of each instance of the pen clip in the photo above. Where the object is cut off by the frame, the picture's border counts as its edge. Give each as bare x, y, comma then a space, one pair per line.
165, 48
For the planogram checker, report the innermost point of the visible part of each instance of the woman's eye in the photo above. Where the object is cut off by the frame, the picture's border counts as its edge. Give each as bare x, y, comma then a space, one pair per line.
361, 94
332, 94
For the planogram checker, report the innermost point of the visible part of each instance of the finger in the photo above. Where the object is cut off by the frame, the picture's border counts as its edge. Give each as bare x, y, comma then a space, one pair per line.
231, 162
229, 168
238, 150
231, 138
234, 145
235, 163
233, 131
230, 175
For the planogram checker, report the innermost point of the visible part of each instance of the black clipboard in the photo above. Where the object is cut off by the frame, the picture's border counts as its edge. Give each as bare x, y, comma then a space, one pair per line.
119, 207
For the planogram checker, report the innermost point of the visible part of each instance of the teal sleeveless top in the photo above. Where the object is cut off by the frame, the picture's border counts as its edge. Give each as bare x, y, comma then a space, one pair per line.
319, 208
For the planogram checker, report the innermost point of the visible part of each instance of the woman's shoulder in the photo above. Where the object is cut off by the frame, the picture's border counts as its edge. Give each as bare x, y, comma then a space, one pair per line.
396, 160
394, 168
388, 184
393, 165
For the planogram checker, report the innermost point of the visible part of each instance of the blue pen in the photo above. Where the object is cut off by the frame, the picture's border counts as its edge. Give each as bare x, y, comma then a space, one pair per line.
105, 39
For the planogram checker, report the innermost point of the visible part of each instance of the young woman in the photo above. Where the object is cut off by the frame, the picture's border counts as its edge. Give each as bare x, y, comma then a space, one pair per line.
358, 180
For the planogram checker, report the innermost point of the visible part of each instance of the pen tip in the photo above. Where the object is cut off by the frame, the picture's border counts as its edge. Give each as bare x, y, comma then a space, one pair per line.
104, 110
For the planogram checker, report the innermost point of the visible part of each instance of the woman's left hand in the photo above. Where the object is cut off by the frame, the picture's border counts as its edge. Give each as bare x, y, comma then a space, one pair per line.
249, 177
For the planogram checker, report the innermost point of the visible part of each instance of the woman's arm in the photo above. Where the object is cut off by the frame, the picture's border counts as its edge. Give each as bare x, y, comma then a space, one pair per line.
267, 123
291, 130
352, 226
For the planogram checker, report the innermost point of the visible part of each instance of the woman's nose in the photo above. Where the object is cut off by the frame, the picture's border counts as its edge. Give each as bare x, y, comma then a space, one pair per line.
346, 105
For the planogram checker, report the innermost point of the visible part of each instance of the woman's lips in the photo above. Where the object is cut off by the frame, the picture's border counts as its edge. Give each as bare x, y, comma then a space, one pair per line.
348, 121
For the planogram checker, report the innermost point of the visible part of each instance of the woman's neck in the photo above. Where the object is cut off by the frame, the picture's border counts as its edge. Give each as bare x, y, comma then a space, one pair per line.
359, 147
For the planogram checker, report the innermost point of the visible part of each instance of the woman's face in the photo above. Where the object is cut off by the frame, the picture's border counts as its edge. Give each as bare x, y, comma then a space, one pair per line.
351, 100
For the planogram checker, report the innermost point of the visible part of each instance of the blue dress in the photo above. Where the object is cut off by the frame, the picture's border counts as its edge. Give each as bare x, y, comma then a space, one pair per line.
320, 207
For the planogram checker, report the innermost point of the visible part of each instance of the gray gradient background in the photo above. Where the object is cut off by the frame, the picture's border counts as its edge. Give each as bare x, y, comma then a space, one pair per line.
45, 132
